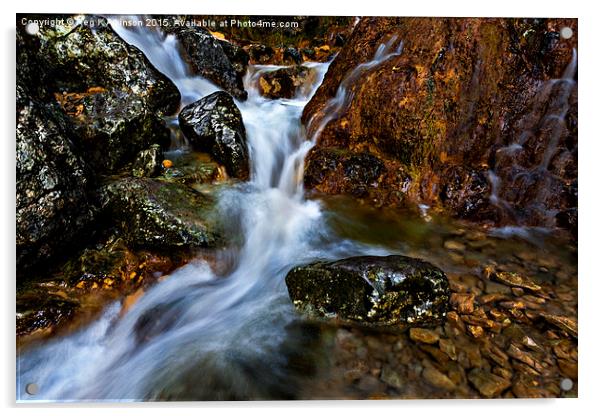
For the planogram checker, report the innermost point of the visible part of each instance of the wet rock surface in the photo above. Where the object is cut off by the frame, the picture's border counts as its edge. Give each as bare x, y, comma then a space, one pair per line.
53, 203
75, 57
474, 117
87, 103
63, 298
214, 124
113, 127
286, 82
155, 213
218, 60
148, 163
110, 91
375, 291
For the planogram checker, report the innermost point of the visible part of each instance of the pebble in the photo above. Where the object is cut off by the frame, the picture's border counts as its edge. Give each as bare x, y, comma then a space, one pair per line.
476, 331
423, 335
562, 322
454, 245
437, 379
390, 377
448, 347
489, 385
462, 302
516, 280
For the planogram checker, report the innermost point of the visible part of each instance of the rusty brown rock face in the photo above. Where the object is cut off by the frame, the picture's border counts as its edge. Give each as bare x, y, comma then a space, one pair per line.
468, 104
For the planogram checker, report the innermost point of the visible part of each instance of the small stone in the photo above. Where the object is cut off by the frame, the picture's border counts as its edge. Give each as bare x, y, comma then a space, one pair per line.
568, 368
448, 347
525, 357
489, 385
476, 331
516, 280
390, 377
437, 379
423, 335
454, 245
562, 322
518, 291
462, 302
456, 321
503, 372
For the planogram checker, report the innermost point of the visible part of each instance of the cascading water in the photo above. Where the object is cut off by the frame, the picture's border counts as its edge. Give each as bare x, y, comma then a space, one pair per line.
196, 335
548, 116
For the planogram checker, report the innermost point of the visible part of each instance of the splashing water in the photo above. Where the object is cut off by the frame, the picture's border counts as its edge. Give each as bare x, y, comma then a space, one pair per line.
194, 335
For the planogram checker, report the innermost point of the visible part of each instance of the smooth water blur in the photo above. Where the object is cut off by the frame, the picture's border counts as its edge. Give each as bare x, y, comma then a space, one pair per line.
196, 335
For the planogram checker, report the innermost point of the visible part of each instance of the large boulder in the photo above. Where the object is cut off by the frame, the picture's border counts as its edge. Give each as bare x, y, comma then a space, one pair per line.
157, 214
113, 127
113, 95
214, 124
371, 290
466, 104
84, 52
218, 60
52, 182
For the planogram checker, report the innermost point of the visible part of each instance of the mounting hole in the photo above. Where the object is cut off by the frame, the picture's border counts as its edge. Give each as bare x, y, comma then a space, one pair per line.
566, 384
32, 28
32, 389
566, 33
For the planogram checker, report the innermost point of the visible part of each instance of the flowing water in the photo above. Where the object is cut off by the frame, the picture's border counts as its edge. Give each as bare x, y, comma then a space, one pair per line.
548, 116
196, 335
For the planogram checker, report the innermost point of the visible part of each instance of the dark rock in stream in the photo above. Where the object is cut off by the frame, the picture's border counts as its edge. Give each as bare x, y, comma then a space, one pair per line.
218, 60
155, 213
285, 82
371, 290
214, 124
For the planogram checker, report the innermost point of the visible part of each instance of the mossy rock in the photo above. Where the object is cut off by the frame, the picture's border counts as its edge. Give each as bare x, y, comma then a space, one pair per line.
161, 214
371, 290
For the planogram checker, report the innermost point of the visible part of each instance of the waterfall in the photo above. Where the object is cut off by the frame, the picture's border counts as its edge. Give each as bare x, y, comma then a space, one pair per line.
548, 115
195, 335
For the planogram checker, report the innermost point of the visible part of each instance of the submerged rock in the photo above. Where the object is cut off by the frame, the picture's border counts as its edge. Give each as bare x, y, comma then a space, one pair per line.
218, 60
370, 290
286, 82
489, 385
155, 213
214, 124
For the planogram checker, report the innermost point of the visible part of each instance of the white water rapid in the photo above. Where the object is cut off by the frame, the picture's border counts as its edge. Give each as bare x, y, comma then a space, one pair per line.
194, 335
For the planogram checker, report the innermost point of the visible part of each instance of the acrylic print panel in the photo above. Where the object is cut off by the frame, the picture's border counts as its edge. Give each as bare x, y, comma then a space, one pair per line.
246, 207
